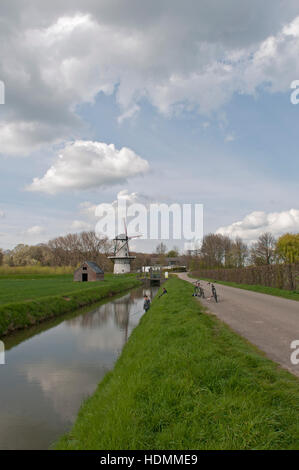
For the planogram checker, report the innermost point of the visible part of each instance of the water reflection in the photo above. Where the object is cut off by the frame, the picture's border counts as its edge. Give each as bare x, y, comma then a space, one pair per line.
47, 376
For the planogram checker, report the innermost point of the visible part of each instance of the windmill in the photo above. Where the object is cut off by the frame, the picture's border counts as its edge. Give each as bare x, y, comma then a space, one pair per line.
121, 256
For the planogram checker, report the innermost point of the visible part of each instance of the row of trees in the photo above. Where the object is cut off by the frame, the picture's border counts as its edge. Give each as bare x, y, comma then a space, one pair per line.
220, 251
216, 251
69, 250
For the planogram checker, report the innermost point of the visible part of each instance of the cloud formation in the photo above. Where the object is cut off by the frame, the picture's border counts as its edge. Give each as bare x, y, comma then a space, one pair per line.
87, 164
258, 222
176, 55
81, 225
35, 230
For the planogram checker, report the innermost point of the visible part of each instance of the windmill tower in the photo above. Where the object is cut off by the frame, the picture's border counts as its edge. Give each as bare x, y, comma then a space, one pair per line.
121, 256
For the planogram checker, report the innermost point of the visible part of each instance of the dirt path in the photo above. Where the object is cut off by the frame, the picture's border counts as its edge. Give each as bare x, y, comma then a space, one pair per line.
269, 322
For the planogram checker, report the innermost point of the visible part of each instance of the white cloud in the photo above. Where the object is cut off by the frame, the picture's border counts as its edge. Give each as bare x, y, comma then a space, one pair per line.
86, 165
193, 56
230, 138
81, 225
129, 113
35, 230
23, 138
2, 214
87, 208
133, 198
255, 223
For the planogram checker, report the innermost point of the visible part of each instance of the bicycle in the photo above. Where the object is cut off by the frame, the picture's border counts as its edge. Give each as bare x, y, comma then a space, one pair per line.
214, 293
201, 292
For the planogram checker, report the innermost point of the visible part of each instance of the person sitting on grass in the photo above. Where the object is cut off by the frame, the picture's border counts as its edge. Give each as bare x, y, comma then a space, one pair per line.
163, 292
147, 303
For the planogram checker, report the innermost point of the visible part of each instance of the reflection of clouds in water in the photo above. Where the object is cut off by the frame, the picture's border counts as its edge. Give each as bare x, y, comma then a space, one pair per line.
65, 388
43, 397
107, 339
118, 309
103, 330
107, 327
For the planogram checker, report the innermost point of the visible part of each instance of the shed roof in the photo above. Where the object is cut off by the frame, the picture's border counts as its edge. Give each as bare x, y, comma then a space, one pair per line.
94, 267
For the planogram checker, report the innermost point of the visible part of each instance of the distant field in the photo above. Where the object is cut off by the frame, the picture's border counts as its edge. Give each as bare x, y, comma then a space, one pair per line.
32, 287
29, 272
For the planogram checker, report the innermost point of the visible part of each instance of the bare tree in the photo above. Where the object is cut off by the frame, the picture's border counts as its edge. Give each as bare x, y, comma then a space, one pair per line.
214, 250
239, 253
74, 248
263, 251
161, 248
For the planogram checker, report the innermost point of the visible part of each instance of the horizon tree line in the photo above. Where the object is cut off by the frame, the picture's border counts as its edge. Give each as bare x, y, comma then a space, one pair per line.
216, 251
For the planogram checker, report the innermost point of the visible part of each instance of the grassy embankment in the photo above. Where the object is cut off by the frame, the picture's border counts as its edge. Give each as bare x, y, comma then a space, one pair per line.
26, 302
287, 294
186, 381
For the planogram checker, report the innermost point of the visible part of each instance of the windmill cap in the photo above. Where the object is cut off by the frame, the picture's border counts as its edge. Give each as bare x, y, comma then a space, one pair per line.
122, 236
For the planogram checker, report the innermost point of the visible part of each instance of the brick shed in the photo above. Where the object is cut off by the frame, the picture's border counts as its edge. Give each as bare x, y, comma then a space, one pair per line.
88, 272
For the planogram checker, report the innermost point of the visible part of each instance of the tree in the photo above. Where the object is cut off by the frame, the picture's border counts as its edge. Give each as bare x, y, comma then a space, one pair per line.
263, 251
22, 255
141, 260
74, 248
214, 252
161, 248
193, 264
238, 253
1, 257
173, 253
287, 248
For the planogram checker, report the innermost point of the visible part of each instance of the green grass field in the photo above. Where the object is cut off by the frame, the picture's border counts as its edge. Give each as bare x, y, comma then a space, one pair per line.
28, 272
186, 381
27, 302
17, 290
286, 294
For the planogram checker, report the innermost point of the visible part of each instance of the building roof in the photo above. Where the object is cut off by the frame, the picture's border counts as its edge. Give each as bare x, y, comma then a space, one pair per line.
121, 236
94, 267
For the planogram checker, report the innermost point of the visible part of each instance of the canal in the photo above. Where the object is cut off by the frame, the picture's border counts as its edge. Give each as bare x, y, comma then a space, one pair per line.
51, 368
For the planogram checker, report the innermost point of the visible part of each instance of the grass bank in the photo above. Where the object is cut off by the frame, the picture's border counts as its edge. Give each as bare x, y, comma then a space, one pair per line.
287, 294
185, 381
18, 315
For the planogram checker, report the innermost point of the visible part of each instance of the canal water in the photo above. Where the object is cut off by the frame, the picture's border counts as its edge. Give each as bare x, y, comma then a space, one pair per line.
51, 368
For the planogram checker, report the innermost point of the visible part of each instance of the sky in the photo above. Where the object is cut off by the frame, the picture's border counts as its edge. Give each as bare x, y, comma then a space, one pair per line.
163, 101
